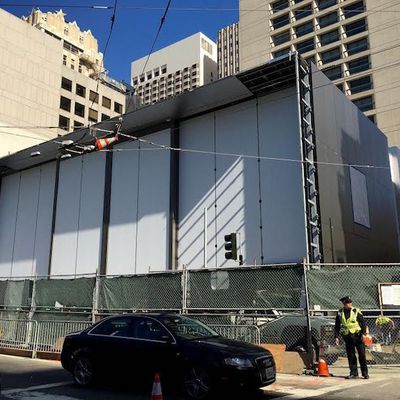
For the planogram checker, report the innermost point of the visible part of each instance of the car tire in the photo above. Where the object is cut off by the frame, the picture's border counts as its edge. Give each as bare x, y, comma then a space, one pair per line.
197, 384
83, 370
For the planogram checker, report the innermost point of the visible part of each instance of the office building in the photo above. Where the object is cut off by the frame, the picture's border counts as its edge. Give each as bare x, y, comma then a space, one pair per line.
52, 80
228, 50
355, 42
178, 68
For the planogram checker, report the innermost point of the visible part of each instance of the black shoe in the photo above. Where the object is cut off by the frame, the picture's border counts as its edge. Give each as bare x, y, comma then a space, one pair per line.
351, 376
366, 376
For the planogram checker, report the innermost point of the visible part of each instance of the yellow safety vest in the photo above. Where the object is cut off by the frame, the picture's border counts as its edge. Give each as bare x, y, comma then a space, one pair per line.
382, 320
351, 324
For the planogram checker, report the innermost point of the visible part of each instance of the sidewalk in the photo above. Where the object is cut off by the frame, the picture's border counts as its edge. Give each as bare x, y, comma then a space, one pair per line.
305, 386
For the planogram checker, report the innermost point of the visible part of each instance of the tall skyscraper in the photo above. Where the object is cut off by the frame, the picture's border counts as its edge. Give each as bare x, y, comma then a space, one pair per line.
355, 42
182, 66
228, 50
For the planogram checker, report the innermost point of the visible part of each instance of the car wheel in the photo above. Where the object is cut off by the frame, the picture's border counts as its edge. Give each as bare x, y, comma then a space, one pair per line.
83, 371
197, 383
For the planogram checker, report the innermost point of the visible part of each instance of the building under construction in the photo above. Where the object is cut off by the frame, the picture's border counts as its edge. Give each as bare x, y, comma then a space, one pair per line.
276, 154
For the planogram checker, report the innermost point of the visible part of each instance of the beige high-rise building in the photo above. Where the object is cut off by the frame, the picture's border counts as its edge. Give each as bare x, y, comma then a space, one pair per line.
355, 42
228, 50
52, 80
177, 68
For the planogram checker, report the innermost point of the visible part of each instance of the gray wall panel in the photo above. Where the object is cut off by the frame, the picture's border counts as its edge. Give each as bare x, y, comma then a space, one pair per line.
67, 218
44, 220
122, 230
345, 136
91, 213
24, 245
152, 249
9, 196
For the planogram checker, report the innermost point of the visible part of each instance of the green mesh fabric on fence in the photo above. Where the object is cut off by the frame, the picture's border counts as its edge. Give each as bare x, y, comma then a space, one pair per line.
15, 293
260, 288
149, 292
62, 293
327, 285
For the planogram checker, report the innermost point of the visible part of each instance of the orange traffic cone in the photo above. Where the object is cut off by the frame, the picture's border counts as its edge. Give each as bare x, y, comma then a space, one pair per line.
322, 369
156, 393
101, 143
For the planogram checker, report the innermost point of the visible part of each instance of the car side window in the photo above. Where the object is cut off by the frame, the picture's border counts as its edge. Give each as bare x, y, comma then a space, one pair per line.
150, 329
114, 327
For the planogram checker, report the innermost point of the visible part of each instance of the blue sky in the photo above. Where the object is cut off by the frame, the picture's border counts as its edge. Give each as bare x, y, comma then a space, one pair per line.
134, 29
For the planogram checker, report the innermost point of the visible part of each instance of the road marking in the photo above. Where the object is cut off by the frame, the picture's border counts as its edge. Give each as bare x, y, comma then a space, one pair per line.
38, 387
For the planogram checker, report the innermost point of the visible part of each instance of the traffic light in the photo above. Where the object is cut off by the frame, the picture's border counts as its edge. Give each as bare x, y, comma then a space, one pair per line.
231, 246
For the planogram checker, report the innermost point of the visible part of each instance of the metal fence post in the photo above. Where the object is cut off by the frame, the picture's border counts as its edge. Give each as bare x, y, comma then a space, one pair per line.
95, 302
185, 289
310, 347
32, 309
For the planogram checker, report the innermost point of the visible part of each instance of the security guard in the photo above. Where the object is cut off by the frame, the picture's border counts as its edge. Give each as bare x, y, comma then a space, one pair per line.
351, 325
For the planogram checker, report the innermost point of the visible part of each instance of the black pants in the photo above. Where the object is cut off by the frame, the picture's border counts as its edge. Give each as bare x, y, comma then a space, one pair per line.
352, 342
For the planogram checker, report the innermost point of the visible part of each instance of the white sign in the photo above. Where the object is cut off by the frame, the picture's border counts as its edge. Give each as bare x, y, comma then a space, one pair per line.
390, 294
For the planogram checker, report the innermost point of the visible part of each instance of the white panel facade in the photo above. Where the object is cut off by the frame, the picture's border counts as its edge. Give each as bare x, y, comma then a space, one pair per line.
196, 194
284, 235
236, 193
67, 217
153, 209
91, 213
24, 244
44, 219
9, 196
121, 247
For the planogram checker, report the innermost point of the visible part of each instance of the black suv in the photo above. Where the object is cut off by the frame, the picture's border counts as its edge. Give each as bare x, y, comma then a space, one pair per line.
138, 345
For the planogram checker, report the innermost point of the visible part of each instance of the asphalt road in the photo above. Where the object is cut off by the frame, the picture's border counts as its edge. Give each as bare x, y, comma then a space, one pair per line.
26, 379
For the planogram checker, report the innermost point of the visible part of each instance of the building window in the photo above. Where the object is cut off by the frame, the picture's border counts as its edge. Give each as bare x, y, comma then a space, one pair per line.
164, 69
104, 117
135, 81
279, 5
77, 124
303, 12
331, 55
65, 103
106, 102
117, 107
63, 122
365, 103
357, 46
142, 78
80, 90
281, 53
93, 115
302, 30
280, 21
359, 65
72, 63
360, 85
305, 46
66, 84
322, 4
353, 9
94, 97
328, 19
156, 72
79, 110
330, 37
333, 73
281, 38
80, 66
64, 59
355, 28
149, 75
340, 86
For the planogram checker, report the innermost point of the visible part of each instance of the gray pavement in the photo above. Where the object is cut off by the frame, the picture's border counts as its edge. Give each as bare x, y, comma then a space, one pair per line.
26, 379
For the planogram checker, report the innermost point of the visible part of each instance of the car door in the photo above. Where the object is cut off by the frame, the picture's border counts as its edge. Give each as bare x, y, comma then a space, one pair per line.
109, 343
156, 347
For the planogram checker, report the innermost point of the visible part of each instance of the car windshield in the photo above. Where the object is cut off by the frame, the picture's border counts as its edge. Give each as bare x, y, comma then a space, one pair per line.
188, 328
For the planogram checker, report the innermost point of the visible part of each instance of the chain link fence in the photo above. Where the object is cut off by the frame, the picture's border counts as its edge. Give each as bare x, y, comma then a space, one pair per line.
260, 305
